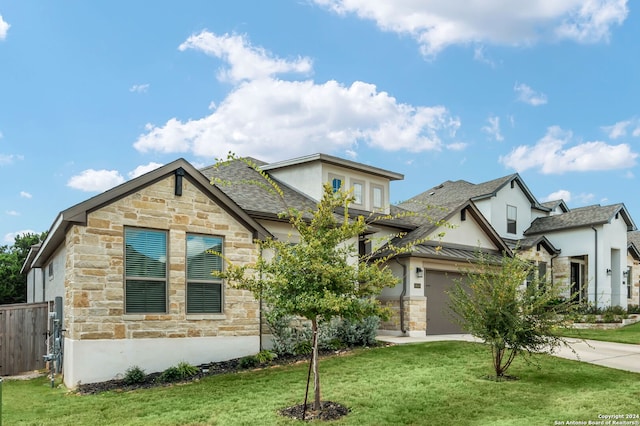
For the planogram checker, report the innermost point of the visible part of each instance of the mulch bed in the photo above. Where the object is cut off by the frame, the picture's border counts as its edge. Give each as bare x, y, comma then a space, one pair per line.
329, 410
204, 370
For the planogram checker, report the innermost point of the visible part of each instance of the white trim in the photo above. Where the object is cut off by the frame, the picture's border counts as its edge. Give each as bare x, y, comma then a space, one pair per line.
91, 361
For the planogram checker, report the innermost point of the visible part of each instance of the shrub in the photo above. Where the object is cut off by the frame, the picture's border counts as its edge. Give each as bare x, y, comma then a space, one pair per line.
358, 333
633, 309
248, 362
134, 375
265, 357
182, 371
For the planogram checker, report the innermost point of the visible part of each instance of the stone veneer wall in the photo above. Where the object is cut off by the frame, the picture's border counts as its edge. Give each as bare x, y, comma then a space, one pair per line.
415, 315
94, 302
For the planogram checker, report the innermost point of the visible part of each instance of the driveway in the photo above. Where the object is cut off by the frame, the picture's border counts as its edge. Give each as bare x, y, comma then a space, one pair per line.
614, 355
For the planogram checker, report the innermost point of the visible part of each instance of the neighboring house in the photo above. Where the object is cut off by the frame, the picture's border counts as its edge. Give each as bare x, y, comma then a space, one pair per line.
131, 269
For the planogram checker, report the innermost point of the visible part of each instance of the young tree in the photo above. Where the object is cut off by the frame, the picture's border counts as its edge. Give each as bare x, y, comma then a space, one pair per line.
12, 283
316, 278
493, 303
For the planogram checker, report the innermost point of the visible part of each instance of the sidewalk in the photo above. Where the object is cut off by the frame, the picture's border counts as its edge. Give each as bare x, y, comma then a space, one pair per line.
608, 354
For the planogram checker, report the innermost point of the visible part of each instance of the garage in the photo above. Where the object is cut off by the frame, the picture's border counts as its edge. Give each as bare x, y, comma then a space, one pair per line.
440, 319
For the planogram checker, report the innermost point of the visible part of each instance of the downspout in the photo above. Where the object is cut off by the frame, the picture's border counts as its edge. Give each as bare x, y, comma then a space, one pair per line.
402, 295
595, 301
260, 310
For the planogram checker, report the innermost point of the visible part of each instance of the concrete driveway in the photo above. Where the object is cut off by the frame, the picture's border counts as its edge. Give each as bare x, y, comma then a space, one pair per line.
614, 355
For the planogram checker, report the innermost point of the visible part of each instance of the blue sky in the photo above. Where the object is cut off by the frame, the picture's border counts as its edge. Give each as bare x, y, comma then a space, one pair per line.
95, 93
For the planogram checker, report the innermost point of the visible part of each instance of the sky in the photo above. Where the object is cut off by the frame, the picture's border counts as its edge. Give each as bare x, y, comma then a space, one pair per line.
93, 94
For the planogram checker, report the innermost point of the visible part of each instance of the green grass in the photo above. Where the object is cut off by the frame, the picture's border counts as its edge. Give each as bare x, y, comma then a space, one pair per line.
437, 383
626, 334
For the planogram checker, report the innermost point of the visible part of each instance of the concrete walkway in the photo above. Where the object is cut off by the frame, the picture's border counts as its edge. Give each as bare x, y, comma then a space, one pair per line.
614, 355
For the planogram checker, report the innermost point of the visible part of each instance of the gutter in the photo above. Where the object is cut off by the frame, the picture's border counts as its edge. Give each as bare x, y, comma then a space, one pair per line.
595, 301
402, 295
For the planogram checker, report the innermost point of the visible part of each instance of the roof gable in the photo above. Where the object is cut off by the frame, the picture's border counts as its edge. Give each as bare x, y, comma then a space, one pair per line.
580, 217
77, 214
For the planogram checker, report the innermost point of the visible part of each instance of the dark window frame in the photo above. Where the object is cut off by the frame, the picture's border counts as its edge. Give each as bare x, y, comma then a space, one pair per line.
512, 222
204, 293
145, 289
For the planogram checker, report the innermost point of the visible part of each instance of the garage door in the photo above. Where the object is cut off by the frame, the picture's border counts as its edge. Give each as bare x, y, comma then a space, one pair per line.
439, 317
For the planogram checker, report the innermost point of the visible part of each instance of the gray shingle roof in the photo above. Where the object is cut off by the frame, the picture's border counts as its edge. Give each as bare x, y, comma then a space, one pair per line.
247, 188
579, 217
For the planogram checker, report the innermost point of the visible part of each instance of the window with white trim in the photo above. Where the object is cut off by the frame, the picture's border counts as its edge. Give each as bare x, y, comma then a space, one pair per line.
204, 291
358, 193
512, 219
145, 271
377, 196
336, 181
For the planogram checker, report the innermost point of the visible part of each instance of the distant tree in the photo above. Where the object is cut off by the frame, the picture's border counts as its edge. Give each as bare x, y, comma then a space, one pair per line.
493, 303
13, 285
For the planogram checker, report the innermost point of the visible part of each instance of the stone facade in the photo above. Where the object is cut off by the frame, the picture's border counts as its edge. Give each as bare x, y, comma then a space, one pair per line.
415, 316
94, 288
635, 281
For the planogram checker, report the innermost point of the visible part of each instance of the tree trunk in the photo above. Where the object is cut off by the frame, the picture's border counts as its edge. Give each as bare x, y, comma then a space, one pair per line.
316, 370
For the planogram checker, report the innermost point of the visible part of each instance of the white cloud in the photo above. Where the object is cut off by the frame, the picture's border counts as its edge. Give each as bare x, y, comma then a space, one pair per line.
6, 159
437, 24
246, 62
493, 128
4, 28
139, 88
561, 194
591, 22
274, 119
550, 156
479, 55
25, 194
457, 146
529, 96
95, 180
10, 238
617, 130
140, 170
12, 213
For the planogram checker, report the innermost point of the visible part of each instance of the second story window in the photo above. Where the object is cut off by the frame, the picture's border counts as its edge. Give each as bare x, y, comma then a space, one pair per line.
512, 214
377, 196
336, 183
357, 193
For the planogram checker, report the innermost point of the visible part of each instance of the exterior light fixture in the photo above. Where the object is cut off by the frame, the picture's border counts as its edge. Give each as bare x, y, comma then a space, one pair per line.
419, 272
608, 271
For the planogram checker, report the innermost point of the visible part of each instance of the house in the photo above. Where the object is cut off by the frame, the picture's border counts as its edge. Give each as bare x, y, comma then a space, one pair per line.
130, 269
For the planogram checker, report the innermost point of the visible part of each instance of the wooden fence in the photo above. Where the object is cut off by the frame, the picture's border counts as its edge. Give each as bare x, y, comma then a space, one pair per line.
23, 337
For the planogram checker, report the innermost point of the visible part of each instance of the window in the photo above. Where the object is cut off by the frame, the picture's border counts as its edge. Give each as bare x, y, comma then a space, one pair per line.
357, 193
377, 196
629, 279
336, 183
50, 269
512, 214
145, 271
204, 291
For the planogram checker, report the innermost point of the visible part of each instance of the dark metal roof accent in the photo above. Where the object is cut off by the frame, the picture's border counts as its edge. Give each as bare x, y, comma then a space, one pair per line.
580, 217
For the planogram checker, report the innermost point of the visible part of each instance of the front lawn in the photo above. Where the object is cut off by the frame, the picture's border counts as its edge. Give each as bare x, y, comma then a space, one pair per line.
626, 334
438, 383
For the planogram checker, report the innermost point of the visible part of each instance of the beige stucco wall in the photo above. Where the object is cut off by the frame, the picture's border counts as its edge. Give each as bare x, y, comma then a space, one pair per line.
94, 305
